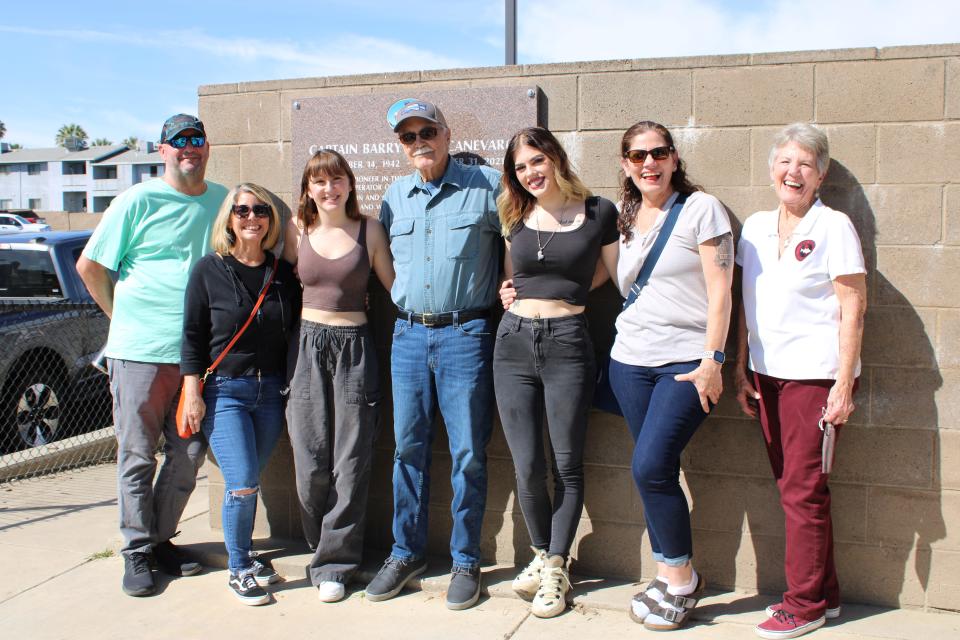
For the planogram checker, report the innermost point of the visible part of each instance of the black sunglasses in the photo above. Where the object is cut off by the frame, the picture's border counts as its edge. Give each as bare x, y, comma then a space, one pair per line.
637, 156
181, 141
427, 133
243, 210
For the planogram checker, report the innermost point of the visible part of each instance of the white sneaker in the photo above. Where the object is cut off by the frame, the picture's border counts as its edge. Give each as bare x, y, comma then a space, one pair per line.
330, 591
551, 598
527, 582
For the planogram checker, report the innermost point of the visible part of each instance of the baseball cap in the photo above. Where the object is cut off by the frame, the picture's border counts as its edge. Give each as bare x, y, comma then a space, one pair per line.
413, 108
178, 123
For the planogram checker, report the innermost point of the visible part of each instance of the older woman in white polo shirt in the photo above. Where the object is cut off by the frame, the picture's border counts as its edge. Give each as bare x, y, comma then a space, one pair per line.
804, 297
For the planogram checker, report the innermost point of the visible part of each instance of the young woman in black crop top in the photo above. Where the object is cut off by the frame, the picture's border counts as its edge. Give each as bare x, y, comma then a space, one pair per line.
335, 391
558, 235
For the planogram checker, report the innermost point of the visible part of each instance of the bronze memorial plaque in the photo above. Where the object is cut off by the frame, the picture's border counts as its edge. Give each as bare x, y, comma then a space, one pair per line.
481, 120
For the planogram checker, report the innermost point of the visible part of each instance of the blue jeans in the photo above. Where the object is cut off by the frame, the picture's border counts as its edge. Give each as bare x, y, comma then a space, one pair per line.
243, 421
662, 415
450, 367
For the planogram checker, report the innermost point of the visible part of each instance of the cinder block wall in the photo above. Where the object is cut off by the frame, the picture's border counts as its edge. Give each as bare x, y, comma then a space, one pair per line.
892, 118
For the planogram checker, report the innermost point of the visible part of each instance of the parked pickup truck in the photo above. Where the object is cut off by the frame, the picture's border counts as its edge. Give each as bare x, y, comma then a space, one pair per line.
50, 331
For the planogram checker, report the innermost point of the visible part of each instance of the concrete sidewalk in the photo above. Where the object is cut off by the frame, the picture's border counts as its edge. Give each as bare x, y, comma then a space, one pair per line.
58, 539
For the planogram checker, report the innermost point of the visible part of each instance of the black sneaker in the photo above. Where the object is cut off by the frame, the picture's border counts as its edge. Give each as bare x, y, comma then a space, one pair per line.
464, 589
247, 590
263, 571
137, 579
393, 575
173, 562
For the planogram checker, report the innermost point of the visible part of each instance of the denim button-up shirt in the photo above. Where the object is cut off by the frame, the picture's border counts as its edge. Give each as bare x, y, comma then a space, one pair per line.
445, 240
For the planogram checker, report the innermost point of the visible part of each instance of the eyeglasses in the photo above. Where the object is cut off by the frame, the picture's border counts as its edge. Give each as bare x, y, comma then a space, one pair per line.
637, 156
243, 210
425, 134
181, 141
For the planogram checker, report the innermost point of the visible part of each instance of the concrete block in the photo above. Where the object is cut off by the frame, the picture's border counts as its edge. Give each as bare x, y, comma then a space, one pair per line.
241, 119
848, 506
618, 100
943, 585
727, 446
610, 549
893, 457
373, 78
691, 62
715, 157
585, 67
267, 165
902, 517
610, 495
890, 581
899, 336
743, 202
504, 538
906, 398
224, 165
948, 338
939, 161
753, 95
946, 469
951, 214
919, 51
907, 214
948, 400
923, 276
216, 89
260, 86
499, 71
608, 441
953, 89
828, 55
731, 561
596, 156
727, 503
501, 486
879, 91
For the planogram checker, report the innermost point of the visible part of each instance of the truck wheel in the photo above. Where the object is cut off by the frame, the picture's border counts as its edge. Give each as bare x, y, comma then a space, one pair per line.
37, 405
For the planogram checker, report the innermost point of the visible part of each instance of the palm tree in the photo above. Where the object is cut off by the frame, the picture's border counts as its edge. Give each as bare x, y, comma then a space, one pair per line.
3, 129
131, 142
101, 142
14, 145
71, 131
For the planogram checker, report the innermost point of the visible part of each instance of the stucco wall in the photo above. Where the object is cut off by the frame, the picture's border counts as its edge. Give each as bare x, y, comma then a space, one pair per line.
892, 118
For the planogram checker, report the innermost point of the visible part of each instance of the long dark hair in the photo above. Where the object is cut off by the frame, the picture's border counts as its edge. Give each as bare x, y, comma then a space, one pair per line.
329, 163
630, 196
515, 201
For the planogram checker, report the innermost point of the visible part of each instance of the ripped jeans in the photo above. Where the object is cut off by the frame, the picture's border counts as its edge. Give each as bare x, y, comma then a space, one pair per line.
243, 421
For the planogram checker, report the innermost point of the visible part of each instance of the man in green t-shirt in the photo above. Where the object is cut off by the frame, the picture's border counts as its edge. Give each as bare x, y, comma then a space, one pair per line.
151, 236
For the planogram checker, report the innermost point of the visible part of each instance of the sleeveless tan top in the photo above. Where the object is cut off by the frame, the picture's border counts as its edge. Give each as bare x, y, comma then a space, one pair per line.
335, 284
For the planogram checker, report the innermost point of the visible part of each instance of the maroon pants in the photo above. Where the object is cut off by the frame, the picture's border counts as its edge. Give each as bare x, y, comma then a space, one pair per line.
789, 413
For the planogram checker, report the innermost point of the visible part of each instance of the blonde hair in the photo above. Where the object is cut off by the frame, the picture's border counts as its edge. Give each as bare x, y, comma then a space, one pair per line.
514, 201
222, 239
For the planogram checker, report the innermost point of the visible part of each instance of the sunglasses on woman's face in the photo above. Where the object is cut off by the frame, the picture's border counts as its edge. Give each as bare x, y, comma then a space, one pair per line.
427, 133
637, 156
243, 210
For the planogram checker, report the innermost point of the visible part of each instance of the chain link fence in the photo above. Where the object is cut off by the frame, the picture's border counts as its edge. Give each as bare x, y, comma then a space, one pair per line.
55, 405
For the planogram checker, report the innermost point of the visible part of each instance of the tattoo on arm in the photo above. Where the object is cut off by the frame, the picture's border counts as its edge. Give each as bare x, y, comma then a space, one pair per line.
724, 255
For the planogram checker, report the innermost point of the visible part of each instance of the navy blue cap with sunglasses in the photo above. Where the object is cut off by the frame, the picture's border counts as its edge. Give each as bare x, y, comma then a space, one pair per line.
175, 125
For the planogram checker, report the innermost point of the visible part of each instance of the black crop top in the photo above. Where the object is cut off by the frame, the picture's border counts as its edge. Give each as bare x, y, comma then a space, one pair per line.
570, 257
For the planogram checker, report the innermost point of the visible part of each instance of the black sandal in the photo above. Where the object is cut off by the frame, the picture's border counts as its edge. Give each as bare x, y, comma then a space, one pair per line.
646, 600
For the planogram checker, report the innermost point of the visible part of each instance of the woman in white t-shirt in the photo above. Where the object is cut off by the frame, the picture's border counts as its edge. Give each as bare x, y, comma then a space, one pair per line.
804, 297
665, 362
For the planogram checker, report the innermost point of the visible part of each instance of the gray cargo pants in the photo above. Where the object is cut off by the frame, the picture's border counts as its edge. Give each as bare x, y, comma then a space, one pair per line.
145, 397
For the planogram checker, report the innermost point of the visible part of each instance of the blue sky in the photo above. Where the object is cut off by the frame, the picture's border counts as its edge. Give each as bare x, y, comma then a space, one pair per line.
120, 68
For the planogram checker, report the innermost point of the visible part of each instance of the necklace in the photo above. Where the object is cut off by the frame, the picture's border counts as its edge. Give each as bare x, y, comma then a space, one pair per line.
541, 247
787, 237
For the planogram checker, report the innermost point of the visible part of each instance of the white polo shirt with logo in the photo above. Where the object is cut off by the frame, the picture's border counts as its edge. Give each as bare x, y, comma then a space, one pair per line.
792, 309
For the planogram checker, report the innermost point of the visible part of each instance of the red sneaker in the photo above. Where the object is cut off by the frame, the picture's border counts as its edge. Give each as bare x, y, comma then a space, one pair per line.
832, 613
786, 625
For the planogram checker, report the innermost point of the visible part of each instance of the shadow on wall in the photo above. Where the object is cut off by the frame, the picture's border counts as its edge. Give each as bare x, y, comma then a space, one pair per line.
886, 502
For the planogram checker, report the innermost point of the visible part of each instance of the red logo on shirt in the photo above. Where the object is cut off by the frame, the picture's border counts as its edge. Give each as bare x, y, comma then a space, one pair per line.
804, 249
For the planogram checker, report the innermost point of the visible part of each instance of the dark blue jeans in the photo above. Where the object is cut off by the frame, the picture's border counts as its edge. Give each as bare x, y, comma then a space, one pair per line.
451, 368
662, 415
243, 421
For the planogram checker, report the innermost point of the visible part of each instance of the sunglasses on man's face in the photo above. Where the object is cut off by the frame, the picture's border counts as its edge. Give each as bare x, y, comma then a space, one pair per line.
425, 134
637, 156
181, 141
243, 210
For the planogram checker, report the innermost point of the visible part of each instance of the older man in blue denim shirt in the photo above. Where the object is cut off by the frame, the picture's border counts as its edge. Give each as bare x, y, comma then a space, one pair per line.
445, 238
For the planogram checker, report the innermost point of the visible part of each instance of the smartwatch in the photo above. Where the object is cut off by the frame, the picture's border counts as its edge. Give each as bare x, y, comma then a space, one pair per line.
716, 356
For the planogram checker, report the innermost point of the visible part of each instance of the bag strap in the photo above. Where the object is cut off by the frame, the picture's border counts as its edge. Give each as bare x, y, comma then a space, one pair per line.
651, 260
256, 307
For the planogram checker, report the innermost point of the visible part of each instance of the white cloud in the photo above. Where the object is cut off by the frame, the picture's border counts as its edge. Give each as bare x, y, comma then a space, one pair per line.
569, 30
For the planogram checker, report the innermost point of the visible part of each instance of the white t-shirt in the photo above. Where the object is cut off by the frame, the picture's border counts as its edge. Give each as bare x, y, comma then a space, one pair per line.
668, 321
794, 331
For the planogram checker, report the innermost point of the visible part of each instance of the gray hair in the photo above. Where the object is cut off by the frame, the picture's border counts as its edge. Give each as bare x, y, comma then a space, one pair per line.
807, 136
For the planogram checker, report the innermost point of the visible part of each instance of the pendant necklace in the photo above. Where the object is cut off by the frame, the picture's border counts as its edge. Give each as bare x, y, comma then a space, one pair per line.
541, 247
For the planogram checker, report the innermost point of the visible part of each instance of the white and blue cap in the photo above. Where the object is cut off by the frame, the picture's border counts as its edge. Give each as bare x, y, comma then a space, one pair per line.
413, 108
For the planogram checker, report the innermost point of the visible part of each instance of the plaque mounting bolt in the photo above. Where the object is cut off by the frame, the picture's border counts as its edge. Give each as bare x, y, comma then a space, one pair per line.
296, 105
531, 93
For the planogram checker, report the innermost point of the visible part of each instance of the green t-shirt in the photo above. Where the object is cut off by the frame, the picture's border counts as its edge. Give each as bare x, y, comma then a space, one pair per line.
152, 235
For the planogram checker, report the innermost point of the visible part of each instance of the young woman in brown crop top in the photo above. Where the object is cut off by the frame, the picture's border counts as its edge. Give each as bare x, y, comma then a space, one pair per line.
543, 361
334, 392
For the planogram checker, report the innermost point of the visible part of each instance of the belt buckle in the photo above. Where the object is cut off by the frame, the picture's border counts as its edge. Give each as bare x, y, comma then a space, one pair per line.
427, 319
